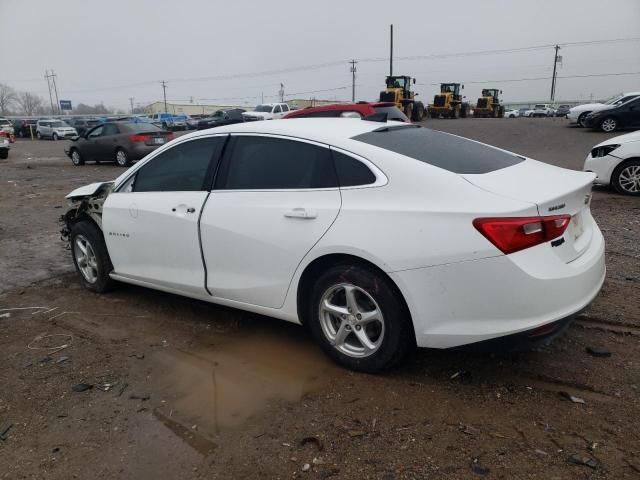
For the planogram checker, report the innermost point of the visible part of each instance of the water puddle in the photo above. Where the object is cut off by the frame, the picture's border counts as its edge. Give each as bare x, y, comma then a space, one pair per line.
209, 390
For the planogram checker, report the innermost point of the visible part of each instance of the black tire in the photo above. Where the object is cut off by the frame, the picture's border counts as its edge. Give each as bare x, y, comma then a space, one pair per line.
418, 112
501, 112
615, 178
408, 110
76, 157
581, 119
38, 136
122, 158
398, 339
54, 137
464, 111
4, 154
88, 231
455, 111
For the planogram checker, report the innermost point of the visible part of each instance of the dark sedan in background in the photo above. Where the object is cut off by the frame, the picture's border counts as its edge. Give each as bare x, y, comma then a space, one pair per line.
24, 127
614, 117
119, 142
562, 110
222, 117
82, 125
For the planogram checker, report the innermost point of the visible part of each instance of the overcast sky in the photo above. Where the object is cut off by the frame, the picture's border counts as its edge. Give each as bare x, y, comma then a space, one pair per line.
111, 50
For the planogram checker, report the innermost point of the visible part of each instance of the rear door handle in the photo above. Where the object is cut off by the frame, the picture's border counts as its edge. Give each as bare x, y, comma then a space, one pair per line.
301, 213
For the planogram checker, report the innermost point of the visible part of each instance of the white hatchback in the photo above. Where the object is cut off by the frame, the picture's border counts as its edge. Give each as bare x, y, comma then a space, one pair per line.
377, 236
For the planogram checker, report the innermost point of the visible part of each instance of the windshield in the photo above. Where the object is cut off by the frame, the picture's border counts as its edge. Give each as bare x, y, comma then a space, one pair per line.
263, 108
613, 100
142, 127
4, 121
59, 124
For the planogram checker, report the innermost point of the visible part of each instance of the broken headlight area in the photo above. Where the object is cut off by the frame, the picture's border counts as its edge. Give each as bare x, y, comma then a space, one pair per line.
82, 207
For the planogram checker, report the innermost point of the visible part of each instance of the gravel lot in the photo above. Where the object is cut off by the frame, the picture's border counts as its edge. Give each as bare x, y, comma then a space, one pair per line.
184, 389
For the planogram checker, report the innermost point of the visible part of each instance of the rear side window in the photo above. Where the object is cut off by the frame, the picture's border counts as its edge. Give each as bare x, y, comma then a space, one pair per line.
351, 172
110, 129
183, 168
449, 152
324, 113
265, 163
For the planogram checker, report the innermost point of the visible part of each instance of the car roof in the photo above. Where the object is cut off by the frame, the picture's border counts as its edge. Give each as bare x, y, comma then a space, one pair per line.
323, 130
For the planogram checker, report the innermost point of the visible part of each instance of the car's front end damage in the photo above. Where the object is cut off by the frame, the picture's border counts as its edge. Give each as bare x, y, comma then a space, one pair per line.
85, 203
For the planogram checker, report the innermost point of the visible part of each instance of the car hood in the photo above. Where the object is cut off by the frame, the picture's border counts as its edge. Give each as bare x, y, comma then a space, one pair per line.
87, 190
588, 107
257, 114
621, 139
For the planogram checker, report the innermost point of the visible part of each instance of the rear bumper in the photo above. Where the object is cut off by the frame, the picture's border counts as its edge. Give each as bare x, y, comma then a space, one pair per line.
473, 301
138, 152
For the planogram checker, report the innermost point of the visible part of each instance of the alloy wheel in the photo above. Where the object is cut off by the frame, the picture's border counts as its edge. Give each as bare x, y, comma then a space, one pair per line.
75, 157
608, 125
121, 158
351, 320
85, 258
629, 179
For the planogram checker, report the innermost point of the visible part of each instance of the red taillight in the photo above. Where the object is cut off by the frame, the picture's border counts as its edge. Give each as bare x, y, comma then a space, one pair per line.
169, 136
140, 138
512, 234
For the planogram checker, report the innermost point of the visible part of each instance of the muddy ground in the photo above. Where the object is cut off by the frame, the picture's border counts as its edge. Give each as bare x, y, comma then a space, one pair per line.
184, 389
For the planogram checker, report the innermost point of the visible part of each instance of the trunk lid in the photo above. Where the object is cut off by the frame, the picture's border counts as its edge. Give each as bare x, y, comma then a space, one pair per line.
555, 191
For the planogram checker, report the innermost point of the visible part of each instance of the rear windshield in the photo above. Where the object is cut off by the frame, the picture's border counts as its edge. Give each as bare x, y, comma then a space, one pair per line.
455, 154
393, 113
142, 127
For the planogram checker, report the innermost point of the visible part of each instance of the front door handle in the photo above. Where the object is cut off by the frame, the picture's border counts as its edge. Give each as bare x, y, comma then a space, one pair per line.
188, 210
301, 213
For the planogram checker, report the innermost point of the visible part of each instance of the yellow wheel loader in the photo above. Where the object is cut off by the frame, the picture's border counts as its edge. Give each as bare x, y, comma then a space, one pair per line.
399, 92
488, 104
449, 102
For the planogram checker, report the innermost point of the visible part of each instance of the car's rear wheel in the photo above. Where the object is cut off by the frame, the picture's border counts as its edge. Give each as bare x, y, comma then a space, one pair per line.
54, 136
90, 256
38, 136
626, 178
359, 318
76, 158
582, 118
122, 159
609, 124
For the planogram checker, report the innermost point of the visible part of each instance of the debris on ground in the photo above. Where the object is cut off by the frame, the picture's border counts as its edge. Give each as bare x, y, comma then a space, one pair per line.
572, 398
139, 356
463, 375
140, 396
121, 390
468, 429
81, 387
478, 469
598, 352
306, 467
356, 433
5, 315
105, 387
587, 460
4, 430
61, 360
315, 440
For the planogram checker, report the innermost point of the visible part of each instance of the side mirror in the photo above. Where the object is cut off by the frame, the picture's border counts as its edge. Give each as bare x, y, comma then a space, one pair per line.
500, 92
416, 94
462, 87
414, 81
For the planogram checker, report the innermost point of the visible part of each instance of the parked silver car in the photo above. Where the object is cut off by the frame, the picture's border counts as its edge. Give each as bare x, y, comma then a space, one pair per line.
54, 129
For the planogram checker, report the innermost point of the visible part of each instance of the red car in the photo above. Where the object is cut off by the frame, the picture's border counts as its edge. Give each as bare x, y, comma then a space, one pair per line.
357, 110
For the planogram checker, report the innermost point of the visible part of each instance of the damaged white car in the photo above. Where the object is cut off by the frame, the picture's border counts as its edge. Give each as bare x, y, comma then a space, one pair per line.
377, 236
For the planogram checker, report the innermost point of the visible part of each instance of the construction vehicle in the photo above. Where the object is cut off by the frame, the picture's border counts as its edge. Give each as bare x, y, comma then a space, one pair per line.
448, 102
488, 104
399, 92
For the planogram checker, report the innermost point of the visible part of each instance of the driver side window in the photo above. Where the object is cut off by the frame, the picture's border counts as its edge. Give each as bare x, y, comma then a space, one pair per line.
96, 132
183, 168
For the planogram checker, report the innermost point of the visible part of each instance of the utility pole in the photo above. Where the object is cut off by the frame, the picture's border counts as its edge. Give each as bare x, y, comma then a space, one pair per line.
281, 93
555, 69
391, 52
164, 92
261, 97
55, 89
46, 76
353, 79
131, 101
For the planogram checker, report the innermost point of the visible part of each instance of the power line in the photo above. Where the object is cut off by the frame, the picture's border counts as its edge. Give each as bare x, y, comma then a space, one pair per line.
617, 74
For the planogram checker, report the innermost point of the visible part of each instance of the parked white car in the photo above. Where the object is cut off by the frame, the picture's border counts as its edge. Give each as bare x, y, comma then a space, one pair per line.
543, 110
512, 113
616, 162
267, 111
54, 129
4, 146
579, 113
6, 126
377, 235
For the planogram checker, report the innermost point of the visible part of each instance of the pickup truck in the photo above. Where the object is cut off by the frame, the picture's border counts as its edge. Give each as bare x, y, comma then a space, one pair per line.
169, 121
267, 111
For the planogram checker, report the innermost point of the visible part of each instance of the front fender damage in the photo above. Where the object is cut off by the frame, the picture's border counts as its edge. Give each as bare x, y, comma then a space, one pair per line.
84, 206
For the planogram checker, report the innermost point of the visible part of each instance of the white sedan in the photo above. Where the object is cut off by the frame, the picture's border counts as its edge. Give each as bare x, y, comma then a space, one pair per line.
616, 162
512, 113
377, 236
